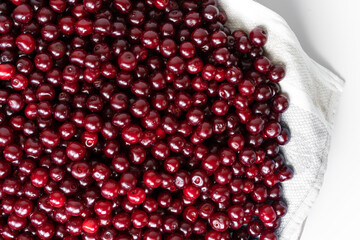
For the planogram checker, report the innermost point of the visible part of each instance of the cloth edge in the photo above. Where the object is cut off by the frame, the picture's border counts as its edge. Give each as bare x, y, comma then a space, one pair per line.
294, 229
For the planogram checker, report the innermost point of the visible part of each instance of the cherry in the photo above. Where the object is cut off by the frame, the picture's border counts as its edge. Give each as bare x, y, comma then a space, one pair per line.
176, 65
268, 235
152, 179
219, 221
139, 219
267, 214
22, 13
161, 4
75, 151
103, 207
26, 43
236, 142
211, 162
219, 193
191, 192
46, 230
131, 134
170, 223
23, 207
258, 37
276, 73
223, 175
280, 103
262, 64
254, 228
90, 225
5, 24
84, 27
6, 136
136, 196
121, 221
285, 173
74, 226
150, 39
180, 137
39, 177
7, 71
221, 55
43, 62
127, 61
110, 189
57, 199
172, 165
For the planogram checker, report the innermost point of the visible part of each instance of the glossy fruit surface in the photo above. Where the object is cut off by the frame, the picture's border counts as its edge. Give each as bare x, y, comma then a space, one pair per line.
145, 119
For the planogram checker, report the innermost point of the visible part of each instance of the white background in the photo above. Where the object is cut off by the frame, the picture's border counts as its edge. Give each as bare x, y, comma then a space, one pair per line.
329, 31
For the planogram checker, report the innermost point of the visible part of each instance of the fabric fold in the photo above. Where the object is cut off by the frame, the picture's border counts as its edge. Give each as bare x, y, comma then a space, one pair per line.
314, 94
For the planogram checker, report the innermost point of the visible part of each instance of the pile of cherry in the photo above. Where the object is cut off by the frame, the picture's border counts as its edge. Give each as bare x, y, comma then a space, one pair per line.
147, 119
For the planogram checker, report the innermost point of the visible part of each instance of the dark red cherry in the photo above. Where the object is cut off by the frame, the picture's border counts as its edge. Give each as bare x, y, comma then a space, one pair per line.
258, 37
219, 221
7, 71
26, 43
179, 139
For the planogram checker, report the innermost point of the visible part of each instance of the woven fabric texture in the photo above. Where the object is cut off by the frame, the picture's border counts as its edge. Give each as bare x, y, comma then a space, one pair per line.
313, 91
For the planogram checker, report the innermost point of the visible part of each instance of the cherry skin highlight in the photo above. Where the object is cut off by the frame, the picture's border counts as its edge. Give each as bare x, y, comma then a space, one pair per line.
145, 119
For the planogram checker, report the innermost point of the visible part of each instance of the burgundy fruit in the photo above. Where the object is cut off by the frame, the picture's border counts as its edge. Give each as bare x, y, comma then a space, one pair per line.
145, 119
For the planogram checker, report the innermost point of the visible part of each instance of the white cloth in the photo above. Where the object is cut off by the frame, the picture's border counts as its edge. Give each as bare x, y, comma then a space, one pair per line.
313, 92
